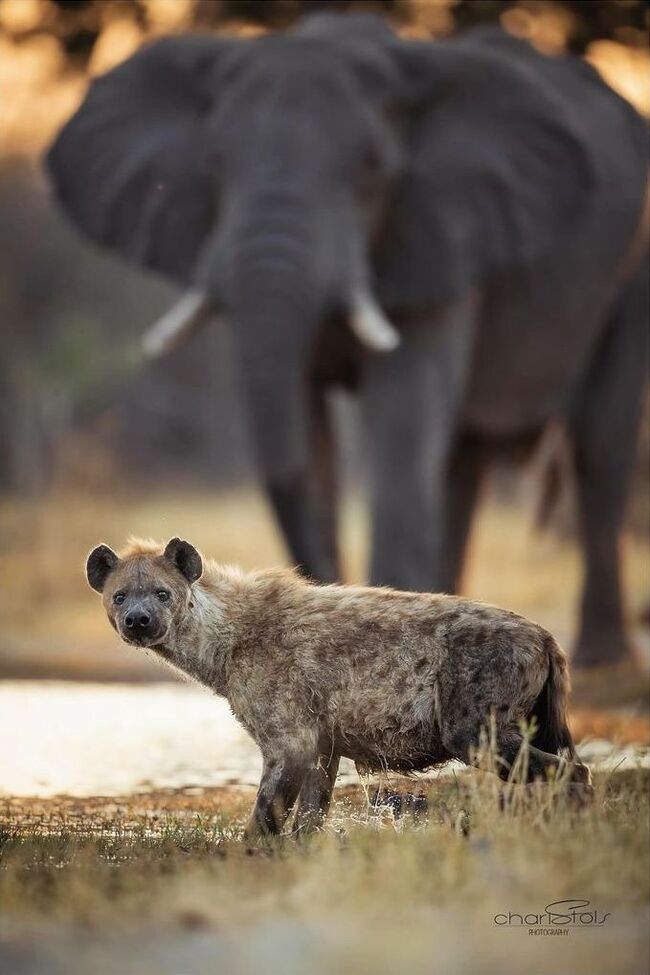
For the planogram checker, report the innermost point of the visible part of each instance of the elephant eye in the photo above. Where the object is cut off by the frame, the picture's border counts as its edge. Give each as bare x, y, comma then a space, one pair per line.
118, 598
163, 595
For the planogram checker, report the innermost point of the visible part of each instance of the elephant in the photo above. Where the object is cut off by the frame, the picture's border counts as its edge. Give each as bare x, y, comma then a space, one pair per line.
453, 230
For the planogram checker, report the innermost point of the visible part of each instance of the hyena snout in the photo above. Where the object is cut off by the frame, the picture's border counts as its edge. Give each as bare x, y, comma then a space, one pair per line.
140, 622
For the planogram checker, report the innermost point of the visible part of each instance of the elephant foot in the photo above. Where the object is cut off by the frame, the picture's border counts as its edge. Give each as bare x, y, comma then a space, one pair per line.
602, 647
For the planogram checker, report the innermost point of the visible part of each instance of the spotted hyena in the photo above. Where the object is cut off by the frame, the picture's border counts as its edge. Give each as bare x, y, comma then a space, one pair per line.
393, 680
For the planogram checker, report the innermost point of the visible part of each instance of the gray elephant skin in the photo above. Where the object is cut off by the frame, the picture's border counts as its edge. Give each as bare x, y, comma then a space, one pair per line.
453, 230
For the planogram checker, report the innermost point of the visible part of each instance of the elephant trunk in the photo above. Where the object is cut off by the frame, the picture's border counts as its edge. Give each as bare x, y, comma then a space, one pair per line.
275, 389
275, 301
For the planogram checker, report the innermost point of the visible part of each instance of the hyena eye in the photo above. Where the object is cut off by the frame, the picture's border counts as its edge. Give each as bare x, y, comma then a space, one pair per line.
163, 595
118, 598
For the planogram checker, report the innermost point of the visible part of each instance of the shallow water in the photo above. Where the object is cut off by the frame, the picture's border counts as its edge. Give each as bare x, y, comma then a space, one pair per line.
83, 739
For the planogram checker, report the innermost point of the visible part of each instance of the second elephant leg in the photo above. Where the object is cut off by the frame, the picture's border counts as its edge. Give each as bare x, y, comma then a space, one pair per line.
412, 400
605, 426
467, 463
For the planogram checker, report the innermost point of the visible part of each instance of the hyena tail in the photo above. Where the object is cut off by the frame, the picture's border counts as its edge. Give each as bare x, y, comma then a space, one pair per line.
550, 708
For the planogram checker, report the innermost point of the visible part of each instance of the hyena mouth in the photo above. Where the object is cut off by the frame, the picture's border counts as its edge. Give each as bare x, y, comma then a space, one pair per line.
148, 639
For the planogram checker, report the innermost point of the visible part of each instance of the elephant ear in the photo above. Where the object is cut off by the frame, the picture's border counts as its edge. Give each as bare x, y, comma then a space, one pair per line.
496, 175
125, 166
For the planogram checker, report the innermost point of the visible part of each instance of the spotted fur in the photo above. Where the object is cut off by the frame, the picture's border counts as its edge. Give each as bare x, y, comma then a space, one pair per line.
393, 680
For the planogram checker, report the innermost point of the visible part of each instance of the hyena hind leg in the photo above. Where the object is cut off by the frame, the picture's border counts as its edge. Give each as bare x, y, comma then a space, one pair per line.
540, 764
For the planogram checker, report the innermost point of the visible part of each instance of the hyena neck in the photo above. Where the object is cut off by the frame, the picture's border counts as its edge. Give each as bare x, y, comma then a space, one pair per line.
200, 643
225, 619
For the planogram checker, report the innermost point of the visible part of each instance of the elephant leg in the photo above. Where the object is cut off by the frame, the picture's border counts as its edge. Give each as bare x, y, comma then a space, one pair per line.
467, 462
411, 402
604, 426
316, 794
323, 489
305, 504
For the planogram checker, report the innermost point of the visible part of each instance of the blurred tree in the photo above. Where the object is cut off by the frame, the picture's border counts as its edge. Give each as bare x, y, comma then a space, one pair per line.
587, 20
78, 24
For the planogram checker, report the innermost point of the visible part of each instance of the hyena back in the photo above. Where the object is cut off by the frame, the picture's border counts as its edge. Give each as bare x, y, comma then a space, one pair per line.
393, 680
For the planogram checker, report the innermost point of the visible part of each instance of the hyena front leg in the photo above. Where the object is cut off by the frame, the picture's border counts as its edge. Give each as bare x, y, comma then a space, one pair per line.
282, 777
316, 793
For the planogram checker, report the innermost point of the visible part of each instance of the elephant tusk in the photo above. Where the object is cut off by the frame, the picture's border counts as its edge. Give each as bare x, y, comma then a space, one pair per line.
370, 325
186, 316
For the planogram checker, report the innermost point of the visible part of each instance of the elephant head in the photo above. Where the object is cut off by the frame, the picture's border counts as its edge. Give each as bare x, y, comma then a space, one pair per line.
332, 170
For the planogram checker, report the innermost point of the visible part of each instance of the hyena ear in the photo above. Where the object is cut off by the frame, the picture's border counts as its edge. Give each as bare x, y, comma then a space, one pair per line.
100, 563
185, 558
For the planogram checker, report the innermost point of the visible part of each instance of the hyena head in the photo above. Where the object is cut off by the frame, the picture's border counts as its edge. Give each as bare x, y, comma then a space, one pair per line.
146, 589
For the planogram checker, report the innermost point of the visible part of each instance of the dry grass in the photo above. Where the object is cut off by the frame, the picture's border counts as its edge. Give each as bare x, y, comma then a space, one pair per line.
374, 894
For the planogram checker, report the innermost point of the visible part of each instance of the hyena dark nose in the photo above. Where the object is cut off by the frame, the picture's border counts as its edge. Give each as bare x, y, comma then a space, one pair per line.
139, 620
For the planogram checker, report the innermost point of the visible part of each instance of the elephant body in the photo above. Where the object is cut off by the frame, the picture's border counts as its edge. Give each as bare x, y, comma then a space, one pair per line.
483, 198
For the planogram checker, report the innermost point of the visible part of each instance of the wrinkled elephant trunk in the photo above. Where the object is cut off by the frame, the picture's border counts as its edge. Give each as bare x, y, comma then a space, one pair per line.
274, 306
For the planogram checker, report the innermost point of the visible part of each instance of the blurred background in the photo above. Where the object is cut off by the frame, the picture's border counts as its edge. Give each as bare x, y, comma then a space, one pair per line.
122, 789
71, 387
